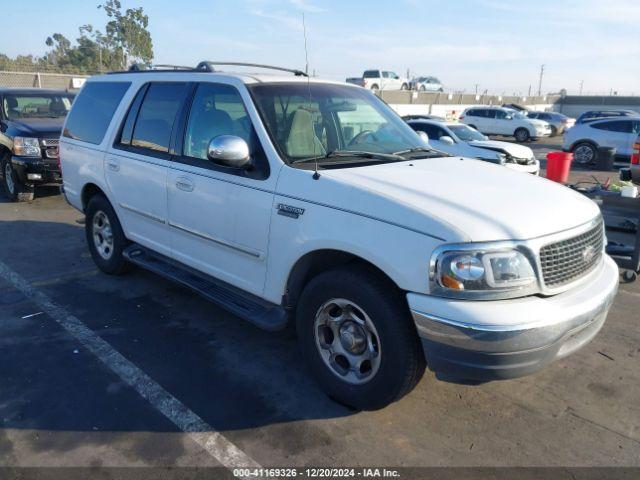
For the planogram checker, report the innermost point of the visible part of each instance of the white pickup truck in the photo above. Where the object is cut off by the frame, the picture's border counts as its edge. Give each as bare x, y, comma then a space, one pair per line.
380, 80
288, 199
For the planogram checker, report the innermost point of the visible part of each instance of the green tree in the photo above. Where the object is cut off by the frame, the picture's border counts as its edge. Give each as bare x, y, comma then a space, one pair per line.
128, 32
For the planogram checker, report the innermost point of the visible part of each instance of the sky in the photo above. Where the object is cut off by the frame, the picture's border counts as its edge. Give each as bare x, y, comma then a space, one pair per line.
498, 45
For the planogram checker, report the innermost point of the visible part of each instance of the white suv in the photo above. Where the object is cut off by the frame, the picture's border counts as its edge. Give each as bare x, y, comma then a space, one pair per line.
289, 199
504, 121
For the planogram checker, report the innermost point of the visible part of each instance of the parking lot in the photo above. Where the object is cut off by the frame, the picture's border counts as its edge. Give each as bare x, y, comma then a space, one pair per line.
136, 371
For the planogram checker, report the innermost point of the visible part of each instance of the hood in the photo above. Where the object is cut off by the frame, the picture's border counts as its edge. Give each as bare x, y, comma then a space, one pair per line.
37, 126
513, 149
455, 199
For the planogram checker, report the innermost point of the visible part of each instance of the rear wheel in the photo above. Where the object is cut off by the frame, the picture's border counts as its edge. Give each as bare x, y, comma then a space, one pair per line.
375, 87
423, 88
13, 188
584, 153
357, 337
105, 237
522, 135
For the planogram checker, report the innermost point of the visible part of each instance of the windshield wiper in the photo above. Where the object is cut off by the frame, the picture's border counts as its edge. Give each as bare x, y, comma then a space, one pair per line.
421, 149
391, 157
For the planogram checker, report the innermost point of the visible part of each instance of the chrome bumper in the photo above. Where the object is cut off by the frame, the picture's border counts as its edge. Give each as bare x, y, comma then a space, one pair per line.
510, 338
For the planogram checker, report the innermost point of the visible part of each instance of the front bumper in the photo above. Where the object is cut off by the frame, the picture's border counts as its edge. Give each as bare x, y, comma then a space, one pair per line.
494, 340
36, 171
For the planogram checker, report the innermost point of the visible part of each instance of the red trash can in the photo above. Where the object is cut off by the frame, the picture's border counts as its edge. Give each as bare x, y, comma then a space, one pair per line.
558, 166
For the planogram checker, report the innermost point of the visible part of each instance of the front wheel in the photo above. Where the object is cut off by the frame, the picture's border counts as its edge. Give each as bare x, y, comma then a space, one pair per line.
404, 86
522, 135
584, 153
105, 237
358, 339
13, 188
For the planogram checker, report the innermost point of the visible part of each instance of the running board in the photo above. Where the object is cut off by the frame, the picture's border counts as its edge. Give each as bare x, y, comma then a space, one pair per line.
261, 313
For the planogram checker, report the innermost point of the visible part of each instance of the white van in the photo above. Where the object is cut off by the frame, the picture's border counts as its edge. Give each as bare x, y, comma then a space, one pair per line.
289, 199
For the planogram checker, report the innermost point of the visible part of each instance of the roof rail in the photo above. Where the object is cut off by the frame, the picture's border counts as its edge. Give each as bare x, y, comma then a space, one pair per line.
207, 66
204, 66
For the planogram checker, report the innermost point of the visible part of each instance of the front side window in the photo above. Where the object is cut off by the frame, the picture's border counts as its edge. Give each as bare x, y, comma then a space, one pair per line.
385, 75
306, 121
489, 113
157, 114
217, 110
501, 115
92, 110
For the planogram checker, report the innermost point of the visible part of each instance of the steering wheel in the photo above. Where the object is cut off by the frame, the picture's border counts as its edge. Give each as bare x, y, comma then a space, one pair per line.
357, 139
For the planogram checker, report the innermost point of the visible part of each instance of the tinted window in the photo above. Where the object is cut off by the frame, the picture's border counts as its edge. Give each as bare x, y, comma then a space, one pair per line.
370, 74
621, 126
473, 113
93, 109
385, 74
217, 110
489, 113
156, 116
500, 114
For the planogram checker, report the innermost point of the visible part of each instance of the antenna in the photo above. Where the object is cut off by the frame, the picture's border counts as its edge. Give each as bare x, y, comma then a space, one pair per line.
316, 175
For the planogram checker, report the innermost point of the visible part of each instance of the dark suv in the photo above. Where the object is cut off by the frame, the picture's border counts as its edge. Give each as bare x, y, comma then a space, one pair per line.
30, 125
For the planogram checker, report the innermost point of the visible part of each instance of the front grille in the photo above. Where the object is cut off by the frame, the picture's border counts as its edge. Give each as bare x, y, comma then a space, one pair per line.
567, 260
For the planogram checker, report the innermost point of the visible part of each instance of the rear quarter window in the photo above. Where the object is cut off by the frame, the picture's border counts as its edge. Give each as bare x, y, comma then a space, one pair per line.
93, 109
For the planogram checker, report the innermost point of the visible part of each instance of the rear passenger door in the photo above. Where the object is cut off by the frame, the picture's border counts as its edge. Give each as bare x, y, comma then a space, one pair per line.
219, 216
136, 166
616, 134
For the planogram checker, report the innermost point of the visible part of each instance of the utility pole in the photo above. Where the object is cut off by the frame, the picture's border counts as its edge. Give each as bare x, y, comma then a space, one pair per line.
476, 85
529, 90
581, 85
540, 81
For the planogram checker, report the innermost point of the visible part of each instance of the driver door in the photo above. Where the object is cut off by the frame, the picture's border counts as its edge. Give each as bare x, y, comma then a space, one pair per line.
219, 216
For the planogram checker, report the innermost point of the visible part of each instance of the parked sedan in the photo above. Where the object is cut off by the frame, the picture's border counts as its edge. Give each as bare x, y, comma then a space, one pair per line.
584, 138
426, 84
461, 140
593, 114
559, 123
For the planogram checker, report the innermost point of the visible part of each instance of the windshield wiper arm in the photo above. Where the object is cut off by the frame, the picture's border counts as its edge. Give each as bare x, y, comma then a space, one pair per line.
421, 149
358, 154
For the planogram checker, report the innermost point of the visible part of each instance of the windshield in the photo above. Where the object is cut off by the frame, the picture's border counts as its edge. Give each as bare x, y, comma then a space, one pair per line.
307, 121
466, 134
17, 106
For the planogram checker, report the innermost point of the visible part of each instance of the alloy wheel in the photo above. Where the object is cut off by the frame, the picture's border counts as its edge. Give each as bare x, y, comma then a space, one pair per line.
102, 235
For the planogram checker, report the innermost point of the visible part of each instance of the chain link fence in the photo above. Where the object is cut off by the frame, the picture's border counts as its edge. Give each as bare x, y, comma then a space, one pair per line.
63, 81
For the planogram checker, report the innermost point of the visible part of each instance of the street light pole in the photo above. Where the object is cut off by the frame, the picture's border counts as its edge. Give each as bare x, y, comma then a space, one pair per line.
540, 81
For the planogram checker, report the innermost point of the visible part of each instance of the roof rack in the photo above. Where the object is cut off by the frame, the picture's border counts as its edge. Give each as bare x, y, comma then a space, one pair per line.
207, 66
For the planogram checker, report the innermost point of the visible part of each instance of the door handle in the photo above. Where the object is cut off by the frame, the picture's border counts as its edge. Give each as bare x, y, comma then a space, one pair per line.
113, 166
185, 184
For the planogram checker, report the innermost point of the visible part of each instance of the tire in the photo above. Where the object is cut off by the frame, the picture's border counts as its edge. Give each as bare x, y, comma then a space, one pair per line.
404, 86
14, 190
375, 87
105, 237
522, 134
423, 88
584, 153
554, 131
392, 370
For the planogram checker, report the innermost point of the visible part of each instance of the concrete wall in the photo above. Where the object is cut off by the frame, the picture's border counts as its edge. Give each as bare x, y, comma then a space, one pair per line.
574, 105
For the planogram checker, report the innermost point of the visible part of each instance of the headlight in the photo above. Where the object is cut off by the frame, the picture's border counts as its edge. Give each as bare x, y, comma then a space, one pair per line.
26, 147
482, 274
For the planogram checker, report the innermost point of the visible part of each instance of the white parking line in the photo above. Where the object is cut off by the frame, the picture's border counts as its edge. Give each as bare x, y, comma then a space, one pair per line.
216, 444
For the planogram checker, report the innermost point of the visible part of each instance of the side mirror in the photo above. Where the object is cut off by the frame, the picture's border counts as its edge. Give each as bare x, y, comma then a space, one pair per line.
423, 136
509, 117
230, 151
447, 140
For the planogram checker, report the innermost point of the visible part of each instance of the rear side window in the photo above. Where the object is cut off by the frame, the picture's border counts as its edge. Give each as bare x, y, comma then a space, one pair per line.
156, 116
620, 126
93, 109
